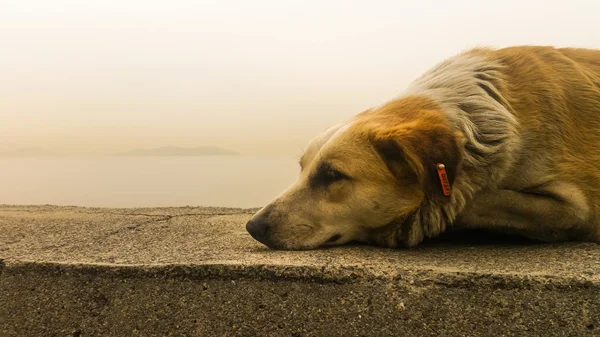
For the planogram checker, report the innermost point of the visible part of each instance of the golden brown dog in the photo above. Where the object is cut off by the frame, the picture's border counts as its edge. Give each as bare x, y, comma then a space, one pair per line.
505, 140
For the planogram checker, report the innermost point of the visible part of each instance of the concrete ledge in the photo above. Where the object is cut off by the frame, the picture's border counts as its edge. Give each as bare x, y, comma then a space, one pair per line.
70, 271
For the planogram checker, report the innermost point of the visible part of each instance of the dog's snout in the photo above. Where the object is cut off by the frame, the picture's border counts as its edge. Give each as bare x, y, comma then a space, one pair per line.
258, 228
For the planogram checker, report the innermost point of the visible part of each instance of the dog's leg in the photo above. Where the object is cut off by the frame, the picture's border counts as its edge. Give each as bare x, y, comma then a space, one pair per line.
552, 212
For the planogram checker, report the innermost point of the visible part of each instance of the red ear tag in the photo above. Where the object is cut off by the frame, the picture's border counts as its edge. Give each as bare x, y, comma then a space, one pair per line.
441, 170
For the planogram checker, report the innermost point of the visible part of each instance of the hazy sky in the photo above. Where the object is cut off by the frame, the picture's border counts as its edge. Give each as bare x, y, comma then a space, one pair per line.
258, 77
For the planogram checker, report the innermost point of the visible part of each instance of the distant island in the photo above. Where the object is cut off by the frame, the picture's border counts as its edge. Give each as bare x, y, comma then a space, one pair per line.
173, 151
28, 152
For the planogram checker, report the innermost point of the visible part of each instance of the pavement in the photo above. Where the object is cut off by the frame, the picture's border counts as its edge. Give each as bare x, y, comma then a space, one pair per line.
194, 271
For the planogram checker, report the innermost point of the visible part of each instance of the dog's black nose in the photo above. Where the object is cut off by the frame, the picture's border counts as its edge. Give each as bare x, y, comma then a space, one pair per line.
258, 228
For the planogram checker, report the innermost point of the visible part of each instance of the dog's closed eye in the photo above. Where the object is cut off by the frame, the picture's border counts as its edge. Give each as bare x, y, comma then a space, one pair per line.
333, 175
327, 175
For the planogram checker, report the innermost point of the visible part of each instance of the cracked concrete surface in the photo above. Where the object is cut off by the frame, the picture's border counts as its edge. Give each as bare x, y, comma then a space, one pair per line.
195, 271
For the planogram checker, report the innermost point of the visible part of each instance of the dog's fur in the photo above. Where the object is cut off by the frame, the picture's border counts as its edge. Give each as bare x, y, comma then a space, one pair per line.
518, 130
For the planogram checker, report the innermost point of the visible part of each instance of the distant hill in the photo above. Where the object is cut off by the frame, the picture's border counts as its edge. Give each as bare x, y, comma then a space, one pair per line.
173, 151
28, 152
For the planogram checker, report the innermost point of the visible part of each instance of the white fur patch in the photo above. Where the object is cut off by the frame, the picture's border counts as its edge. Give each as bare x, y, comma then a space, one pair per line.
343, 128
467, 89
320, 142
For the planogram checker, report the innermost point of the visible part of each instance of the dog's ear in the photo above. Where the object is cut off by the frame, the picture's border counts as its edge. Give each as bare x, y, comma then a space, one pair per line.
412, 153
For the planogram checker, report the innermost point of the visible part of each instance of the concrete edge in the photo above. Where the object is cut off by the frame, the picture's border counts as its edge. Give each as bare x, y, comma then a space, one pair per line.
321, 275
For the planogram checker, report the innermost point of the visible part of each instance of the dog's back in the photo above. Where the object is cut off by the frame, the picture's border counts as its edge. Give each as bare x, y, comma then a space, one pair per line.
555, 96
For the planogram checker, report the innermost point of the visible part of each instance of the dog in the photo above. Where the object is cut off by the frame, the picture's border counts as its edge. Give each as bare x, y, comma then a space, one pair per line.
504, 140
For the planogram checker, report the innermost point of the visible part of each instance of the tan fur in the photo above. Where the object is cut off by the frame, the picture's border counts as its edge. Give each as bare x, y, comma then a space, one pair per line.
518, 130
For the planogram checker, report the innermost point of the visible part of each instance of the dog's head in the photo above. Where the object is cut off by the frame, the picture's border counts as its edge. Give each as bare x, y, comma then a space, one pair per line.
361, 181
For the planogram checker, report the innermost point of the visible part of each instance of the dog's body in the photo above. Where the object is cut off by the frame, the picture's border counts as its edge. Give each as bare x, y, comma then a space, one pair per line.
517, 129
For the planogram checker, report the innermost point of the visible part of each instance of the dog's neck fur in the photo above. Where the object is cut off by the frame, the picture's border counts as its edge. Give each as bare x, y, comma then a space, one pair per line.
471, 91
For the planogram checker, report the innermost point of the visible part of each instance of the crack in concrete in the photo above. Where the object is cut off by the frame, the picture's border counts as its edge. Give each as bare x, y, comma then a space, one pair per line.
136, 226
166, 218
177, 215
